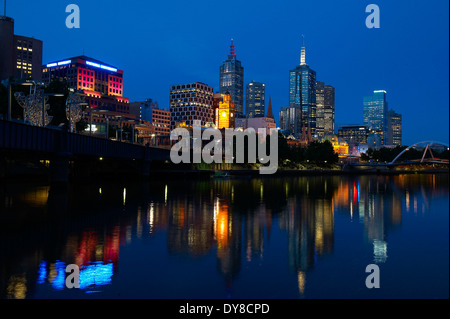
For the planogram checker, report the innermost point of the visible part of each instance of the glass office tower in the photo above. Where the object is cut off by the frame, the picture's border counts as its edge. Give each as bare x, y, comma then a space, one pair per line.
255, 99
376, 114
395, 128
290, 120
302, 92
232, 80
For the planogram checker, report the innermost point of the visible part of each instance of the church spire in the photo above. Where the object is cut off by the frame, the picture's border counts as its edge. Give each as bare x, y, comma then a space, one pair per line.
269, 109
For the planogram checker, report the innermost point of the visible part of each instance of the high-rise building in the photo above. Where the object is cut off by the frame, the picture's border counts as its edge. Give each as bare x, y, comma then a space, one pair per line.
329, 110
395, 128
302, 92
376, 114
320, 108
189, 102
290, 120
20, 57
101, 83
232, 80
354, 134
324, 109
224, 111
255, 99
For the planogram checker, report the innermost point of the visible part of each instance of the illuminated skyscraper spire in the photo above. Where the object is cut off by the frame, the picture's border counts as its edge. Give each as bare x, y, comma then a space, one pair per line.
232, 54
303, 52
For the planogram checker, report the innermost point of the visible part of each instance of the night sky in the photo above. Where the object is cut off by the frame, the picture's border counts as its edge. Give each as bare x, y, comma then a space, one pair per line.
160, 43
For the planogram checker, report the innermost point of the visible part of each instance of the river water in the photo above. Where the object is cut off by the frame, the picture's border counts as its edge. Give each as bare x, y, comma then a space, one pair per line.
290, 238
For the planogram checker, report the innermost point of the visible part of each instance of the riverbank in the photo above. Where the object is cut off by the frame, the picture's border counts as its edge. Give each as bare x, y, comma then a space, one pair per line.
254, 173
129, 173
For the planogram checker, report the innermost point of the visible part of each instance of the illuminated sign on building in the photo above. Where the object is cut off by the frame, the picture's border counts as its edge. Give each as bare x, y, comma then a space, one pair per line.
59, 63
64, 62
101, 66
96, 65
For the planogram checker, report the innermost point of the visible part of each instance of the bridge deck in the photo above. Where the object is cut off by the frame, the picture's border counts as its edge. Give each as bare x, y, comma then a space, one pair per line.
23, 137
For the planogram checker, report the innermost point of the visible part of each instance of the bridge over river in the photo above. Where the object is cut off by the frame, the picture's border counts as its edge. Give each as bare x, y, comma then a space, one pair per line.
59, 147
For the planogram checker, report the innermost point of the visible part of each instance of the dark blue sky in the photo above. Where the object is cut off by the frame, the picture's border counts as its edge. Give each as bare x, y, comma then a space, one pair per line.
160, 43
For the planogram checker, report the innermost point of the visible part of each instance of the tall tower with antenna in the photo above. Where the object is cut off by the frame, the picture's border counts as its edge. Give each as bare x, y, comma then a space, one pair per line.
302, 93
303, 52
232, 80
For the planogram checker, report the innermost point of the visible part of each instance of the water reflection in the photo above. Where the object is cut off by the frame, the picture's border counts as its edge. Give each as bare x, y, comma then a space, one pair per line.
45, 229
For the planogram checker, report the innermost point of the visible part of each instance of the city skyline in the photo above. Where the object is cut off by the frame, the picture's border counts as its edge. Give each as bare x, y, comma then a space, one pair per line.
372, 59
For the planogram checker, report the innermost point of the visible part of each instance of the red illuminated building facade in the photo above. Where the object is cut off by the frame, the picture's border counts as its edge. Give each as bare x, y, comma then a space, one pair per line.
101, 83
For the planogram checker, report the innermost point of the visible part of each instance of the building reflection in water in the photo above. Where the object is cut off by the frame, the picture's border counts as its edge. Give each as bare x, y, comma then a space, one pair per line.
232, 219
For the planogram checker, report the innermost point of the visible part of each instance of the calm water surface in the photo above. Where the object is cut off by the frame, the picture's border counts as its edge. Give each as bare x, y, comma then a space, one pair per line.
300, 237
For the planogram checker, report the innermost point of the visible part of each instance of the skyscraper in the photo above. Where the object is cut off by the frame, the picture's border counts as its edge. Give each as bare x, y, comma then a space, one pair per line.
328, 112
395, 128
290, 120
376, 114
189, 102
20, 57
255, 99
232, 80
302, 92
320, 108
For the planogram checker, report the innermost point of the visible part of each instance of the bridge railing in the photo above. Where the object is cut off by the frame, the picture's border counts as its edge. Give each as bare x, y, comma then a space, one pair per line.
88, 145
23, 137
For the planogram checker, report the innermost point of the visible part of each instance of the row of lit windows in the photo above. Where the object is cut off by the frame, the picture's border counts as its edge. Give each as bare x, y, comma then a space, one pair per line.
161, 117
115, 91
160, 112
25, 49
184, 105
25, 68
86, 72
191, 102
115, 85
176, 109
86, 79
193, 86
23, 63
192, 94
115, 79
